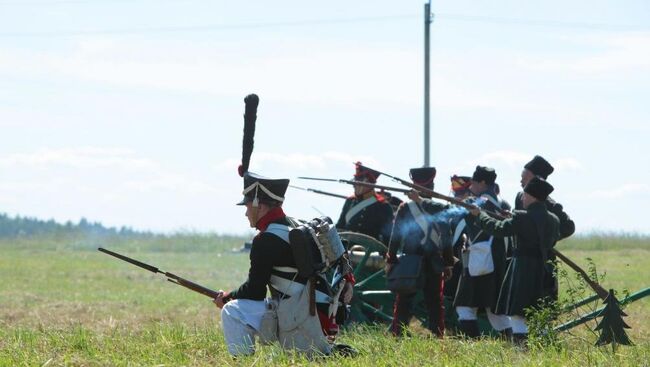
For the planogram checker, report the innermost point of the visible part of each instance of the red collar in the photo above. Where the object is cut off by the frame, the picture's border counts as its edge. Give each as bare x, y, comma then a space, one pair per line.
270, 217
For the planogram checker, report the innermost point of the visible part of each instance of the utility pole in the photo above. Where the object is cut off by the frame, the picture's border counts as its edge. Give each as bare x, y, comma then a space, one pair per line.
428, 19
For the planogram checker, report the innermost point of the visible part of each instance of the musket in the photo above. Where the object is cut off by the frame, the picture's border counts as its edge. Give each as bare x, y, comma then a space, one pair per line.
414, 187
319, 191
170, 277
600, 291
359, 183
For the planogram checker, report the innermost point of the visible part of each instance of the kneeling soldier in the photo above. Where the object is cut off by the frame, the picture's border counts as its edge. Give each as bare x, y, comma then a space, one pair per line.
536, 230
246, 312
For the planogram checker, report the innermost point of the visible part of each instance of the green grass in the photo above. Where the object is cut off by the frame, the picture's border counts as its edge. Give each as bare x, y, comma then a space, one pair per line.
64, 303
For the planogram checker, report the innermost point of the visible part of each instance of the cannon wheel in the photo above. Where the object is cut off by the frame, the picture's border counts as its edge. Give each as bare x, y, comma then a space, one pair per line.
371, 302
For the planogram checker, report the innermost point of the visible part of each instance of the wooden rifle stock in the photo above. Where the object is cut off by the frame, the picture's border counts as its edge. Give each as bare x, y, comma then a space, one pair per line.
600, 291
170, 277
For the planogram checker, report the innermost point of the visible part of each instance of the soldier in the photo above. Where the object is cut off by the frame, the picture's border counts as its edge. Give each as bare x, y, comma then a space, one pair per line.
478, 288
536, 230
460, 186
503, 203
417, 230
272, 264
366, 212
460, 191
540, 167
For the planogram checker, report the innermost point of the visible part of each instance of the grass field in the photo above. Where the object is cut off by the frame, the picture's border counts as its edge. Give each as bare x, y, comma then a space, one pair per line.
64, 303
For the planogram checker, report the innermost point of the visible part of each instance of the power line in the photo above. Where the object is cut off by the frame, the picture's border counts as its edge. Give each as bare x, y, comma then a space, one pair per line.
315, 22
205, 28
62, 2
540, 22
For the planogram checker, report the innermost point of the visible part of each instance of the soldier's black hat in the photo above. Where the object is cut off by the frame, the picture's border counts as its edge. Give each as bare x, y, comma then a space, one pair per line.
423, 176
363, 172
486, 174
538, 188
259, 189
539, 167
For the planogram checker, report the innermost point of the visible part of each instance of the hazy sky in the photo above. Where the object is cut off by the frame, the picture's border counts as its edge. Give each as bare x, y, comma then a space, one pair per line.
129, 112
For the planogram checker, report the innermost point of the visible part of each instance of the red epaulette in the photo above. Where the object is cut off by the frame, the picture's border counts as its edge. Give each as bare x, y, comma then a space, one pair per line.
380, 198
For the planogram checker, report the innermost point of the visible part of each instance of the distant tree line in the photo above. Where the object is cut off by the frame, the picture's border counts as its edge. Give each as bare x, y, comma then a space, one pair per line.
11, 227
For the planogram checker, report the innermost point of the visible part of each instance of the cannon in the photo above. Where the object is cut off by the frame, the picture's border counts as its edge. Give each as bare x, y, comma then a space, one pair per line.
373, 303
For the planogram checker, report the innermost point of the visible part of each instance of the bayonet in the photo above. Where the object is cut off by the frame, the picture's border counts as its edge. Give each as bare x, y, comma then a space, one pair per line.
170, 277
319, 191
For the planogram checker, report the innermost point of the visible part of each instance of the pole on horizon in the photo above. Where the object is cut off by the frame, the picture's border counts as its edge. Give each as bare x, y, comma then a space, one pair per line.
428, 19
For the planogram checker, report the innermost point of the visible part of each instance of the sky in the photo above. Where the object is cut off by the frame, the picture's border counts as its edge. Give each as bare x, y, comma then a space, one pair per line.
129, 112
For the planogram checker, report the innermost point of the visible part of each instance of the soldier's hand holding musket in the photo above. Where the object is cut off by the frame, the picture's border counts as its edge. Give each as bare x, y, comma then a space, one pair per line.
219, 300
447, 273
415, 196
475, 210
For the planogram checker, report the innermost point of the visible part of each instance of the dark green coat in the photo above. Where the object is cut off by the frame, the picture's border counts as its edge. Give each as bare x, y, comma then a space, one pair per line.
567, 227
482, 291
375, 220
536, 230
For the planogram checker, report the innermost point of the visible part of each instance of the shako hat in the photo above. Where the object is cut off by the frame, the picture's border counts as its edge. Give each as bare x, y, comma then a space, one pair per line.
363, 172
423, 176
260, 189
539, 167
460, 184
486, 174
538, 188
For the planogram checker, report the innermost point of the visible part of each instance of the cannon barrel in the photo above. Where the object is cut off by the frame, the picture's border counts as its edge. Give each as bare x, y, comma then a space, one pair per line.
375, 261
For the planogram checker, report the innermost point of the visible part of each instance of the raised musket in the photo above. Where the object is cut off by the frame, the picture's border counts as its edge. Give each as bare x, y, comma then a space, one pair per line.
600, 291
170, 277
359, 183
315, 191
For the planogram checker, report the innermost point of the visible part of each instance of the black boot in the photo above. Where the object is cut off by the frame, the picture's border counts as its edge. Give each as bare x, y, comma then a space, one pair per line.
506, 334
344, 350
519, 339
469, 328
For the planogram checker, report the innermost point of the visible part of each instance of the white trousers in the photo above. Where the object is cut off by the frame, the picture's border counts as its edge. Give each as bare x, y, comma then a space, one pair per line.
240, 321
498, 322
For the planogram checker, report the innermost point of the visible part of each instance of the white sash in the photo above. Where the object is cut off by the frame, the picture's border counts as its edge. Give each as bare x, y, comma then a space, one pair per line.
458, 231
420, 219
286, 286
291, 288
491, 199
279, 230
359, 207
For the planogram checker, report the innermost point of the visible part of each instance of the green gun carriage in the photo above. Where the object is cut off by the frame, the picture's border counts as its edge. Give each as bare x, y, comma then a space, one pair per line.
373, 303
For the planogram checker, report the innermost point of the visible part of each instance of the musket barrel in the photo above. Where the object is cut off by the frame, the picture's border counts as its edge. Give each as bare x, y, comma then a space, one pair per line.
318, 191
130, 260
170, 276
600, 291
375, 186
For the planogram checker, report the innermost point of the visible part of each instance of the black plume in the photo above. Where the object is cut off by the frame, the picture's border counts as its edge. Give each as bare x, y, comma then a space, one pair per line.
250, 116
